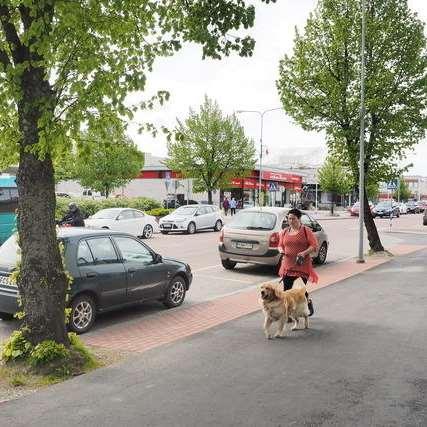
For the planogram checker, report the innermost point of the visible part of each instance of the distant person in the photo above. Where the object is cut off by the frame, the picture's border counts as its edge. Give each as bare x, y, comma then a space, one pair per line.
233, 206
225, 205
73, 217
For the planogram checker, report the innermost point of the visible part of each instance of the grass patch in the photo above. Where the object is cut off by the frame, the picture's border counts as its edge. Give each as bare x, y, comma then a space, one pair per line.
22, 376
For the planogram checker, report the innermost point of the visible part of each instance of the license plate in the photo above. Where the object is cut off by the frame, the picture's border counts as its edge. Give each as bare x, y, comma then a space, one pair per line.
4, 280
167, 225
243, 245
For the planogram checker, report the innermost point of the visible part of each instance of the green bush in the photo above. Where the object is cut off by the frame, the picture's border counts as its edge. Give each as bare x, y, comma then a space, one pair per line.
46, 352
16, 347
159, 212
90, 206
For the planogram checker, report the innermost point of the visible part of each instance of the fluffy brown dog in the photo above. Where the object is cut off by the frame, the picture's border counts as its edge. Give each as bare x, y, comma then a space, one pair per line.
279, 305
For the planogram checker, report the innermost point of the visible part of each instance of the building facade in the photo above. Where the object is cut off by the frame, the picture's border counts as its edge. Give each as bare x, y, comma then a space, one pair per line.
278, 187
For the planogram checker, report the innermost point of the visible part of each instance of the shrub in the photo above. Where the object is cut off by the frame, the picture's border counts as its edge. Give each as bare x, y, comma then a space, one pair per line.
46, 352
90, 206
159, 212
16, 347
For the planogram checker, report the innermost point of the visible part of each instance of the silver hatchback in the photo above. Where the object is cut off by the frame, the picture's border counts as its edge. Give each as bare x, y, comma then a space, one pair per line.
252, 237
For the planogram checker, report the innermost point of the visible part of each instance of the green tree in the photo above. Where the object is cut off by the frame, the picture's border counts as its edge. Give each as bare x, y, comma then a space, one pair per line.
211, 148
66, 66
335, 178
403, 192
106, 162
319, 85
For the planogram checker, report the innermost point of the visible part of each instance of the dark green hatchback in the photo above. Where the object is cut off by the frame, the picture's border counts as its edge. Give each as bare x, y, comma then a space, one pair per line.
110, 270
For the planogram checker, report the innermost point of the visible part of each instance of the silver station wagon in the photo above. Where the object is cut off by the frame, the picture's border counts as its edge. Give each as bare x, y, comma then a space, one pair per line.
252, 237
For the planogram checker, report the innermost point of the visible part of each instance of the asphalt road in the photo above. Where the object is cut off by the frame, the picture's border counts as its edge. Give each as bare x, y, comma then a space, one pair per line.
362, 363
211, 280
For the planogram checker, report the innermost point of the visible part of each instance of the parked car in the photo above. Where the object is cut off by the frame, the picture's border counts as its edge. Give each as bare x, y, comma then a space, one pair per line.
422, 205
403, 208
412, 207
175, 203
192, 218
425, 217
253, 237
110, 270
130, 221
354, 210
386, 209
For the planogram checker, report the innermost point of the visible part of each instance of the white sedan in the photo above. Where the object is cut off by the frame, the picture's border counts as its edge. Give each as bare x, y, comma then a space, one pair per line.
130, 221
403, 208
192, 218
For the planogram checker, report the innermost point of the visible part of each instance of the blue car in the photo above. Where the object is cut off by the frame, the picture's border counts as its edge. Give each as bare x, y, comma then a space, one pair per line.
8, 206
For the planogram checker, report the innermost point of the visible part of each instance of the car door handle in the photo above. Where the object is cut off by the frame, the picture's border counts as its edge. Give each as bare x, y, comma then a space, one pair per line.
91, 274
131, 270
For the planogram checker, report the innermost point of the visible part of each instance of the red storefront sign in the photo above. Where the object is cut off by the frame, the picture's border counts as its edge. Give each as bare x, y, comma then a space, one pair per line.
281, 176
246, 183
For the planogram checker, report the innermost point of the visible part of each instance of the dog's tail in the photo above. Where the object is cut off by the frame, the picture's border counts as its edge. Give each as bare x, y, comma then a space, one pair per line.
298, 284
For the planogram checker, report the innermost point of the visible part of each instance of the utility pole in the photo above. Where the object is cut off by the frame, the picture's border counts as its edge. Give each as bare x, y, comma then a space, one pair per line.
362, 138
261, 114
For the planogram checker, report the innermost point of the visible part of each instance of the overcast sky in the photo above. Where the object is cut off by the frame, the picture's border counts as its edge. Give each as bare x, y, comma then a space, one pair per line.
246, 84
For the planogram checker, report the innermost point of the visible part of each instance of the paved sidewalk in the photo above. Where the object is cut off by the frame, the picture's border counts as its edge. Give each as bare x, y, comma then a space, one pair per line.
157, 330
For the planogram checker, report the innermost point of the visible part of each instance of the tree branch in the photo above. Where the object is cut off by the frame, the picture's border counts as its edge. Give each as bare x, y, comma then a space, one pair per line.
4, 58
11, 34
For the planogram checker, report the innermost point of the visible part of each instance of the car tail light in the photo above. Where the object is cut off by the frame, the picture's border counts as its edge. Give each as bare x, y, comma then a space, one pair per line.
221, 236
274, 240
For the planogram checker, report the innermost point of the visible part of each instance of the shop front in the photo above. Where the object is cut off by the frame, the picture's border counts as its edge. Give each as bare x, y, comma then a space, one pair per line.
277, 189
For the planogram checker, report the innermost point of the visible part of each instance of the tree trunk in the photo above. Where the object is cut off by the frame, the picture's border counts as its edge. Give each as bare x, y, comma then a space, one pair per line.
210, 197
373, 236
42, 282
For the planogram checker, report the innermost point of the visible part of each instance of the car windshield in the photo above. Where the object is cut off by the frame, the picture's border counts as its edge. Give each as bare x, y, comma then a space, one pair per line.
384, 205
185, 211
253, 220
10, 252
106, 214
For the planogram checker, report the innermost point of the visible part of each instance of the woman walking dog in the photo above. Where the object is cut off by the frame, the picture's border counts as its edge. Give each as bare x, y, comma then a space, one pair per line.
296, 243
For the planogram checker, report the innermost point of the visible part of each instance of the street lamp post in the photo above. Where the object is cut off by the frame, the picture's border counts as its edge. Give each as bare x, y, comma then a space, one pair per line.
362, 138
261, 114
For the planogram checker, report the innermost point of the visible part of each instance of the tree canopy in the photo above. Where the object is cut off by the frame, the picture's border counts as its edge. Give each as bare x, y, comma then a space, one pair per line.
108, 164
319, 85
211, 148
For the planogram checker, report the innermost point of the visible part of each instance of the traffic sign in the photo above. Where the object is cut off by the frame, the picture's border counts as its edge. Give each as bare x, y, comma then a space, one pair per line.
392, 185
272, 186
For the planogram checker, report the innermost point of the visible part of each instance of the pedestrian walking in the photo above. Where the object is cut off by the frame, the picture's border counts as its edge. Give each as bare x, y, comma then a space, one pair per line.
225, 205
233, 205
296, 243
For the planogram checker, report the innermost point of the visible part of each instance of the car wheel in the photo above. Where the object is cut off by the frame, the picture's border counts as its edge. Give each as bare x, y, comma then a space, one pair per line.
425, 222
191, 229
218, 225
83, 313
175, 294
227, 264
147, 232
321, 256
165, 232
6, 316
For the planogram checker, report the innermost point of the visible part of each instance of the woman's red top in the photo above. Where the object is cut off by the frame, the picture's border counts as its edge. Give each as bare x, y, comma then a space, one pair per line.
291, 245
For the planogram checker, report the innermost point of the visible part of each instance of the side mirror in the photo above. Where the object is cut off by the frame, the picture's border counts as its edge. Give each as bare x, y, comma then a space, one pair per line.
158, 258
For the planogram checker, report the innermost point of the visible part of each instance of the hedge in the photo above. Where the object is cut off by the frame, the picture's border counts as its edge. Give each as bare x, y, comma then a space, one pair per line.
90, 206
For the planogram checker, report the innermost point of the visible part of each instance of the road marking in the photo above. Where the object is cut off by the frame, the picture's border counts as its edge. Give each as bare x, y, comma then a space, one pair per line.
206, 268
224, 278
420, 233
